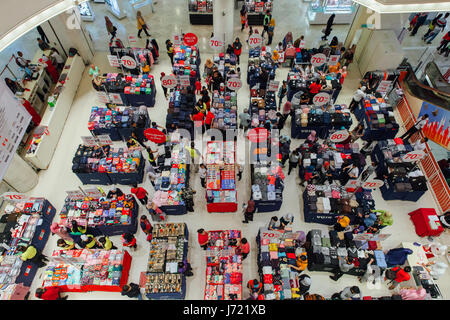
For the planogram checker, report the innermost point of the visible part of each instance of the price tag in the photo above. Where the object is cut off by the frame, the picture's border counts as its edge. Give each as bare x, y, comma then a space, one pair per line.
14, 196
318, 59
132, 38
93, 193
102, 97
89, 141
339, 136
184, 81
169, 81
115, 98
270, 234
128, 62
177, 39
273, 85
215, 43
104, 140
190, 39
234, 84
75, 195
113, 60
255, 40
413, 156
321, 98
374, 184
302, 44
333, 59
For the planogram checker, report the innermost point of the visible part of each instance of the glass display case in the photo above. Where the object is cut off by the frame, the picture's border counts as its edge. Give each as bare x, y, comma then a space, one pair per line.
86, 12
320, 10
256, 10
201, 11
115, 8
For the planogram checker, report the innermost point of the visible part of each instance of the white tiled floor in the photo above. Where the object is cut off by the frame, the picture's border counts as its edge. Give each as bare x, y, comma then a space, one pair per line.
58, 178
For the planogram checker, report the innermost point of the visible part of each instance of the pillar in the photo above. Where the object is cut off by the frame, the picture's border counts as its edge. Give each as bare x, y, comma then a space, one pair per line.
223, 13
20, 175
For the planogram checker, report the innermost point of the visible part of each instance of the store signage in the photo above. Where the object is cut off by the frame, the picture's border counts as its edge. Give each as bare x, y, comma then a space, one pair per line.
75, 195
255, 40
190, 39
273, 85
132, 38
321, 98
215, 43
257, 135
104, 140
14, 196
373, 184
113, 60
339, 136
93, 193
177, 39
318, 59
115, 98
184, 81
169, 81
302, 44
413, 156
128, 62
234, 84
89, 141
333, 59
154, 135
384, 86
102, 97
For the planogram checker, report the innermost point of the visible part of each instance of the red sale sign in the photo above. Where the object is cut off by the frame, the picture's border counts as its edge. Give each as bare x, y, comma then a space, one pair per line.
413, 156
318, 59
154, 135
216, 43
374, 184
339, 136
13, 196
321, 98
255, 40
258, 135
169, 81
234, 84
190, 39
128, 62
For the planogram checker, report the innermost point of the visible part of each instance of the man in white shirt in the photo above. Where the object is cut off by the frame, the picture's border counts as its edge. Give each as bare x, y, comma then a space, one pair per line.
420, 144
21, 61
59, 60
416, 127
202, 172
357, 97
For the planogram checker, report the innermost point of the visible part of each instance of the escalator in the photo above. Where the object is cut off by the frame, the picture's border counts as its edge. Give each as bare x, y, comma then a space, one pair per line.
432, 76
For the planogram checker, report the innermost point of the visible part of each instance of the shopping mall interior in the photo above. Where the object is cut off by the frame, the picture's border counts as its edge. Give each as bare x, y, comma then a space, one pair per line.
44, 162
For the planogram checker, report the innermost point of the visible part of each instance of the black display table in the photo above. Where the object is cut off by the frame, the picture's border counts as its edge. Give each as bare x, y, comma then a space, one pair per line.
201, 18
255, 19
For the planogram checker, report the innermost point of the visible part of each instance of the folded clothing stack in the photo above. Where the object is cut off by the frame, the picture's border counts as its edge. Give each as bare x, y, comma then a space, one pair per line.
181, 106
186, 60
129, 84
224, 108
380, 114
335, 117
122, 117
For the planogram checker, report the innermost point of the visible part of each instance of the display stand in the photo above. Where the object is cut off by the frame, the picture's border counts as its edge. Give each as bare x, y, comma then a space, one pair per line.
201, 12
426, 222
180, 108
55, 117
256, 11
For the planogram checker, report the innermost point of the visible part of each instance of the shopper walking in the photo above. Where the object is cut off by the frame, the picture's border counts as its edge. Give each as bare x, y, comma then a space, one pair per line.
413, 22
112, 30
141, 24
140, 193
284, 150
282, 93
187, 194
169, 47
128, 241
244, 120
237, 49
328, 28
244, 18
270, 31
164, 88
239, 168
336, 86
415, 128
294, 160
445, 40
357, 97
266, 21
152, 174
203, 238
420, 21
248, 211
146, 226
131, 290
243, 248
202, 173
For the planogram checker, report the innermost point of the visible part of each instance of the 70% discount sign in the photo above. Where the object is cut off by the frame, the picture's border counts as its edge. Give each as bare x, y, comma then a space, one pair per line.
216, 43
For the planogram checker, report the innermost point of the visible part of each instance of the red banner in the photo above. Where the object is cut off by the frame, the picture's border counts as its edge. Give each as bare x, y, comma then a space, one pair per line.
190, 39
155, 135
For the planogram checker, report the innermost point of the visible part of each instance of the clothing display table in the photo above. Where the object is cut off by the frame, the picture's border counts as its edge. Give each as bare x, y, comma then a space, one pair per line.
83, 271
174, 177
29, 222
41, 151
186, 61
224, 107
259, 60
426, 222
118, 123
168, 247
263, 108
129, 90
223, 266
13, 291
221, 193
110, 217
299, 80
180, 108
142, 57
94, 165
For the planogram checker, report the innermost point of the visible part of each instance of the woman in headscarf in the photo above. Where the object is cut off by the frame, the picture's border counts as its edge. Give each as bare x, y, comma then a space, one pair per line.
249, 210
334, 42
275, 56
110, 28
237, 48
243, 14
287, 40
61, 231
312, 137
208, 68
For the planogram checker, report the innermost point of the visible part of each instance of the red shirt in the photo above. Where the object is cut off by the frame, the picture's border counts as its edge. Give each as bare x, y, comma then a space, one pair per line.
139, 192
209, 117
51, 293
402, 275
198, 117
198, 85
314, 87
245, 248
202, 238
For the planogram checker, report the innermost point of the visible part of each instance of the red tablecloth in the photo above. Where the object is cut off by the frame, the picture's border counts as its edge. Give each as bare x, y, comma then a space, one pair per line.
421, 221
222, 207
